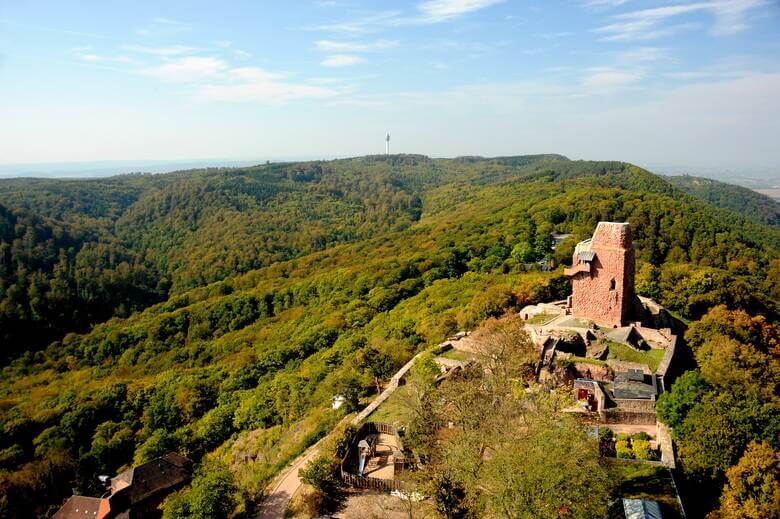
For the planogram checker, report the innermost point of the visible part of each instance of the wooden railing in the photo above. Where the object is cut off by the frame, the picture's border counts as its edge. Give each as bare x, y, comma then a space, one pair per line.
354, 480
387, 485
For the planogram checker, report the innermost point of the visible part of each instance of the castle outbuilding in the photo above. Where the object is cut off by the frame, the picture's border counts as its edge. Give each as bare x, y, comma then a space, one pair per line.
602, 277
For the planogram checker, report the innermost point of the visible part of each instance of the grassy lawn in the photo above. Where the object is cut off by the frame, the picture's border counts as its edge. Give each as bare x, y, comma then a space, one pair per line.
396, 409
454, 354
625, 353
641, 481
586, 360
541, 318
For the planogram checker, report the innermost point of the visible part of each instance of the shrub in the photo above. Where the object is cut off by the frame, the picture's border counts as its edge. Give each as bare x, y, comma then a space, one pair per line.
622, 450
641, 436
623, 437
606, 434
641, 449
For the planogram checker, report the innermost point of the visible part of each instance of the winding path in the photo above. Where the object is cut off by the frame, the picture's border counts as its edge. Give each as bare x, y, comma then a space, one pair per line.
287, 483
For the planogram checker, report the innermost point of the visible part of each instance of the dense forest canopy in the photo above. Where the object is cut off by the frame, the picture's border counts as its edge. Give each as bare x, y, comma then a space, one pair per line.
216, 312
749, 203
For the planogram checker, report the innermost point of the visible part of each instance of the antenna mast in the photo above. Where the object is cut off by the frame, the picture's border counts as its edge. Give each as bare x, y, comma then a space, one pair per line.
387, 144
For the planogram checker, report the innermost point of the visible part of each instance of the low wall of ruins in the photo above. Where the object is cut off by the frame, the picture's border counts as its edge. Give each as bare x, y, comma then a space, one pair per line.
663, 372
663, 438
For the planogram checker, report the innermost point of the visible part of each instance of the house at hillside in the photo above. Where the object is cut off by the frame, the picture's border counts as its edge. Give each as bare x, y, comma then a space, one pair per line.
135, 493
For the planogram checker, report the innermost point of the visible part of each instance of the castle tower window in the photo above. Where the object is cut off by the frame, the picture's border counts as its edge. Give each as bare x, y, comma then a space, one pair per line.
612, 284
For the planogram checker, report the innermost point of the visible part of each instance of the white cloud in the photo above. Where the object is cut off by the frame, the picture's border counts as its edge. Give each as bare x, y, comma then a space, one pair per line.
609, 78
90, 57
242, 54
605, 3
354, 46
248, 84
365, 24
429, 12
643, 55
341, 60
172, 50
437, 10
160, 25
166, 21
86, 54
647, 24
187, 69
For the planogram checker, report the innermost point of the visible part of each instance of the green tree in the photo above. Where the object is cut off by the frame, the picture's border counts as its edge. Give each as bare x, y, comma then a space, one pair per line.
212, 495
377, 363
687, 391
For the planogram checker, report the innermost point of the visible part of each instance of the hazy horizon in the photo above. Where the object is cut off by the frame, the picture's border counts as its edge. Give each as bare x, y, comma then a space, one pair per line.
752, 178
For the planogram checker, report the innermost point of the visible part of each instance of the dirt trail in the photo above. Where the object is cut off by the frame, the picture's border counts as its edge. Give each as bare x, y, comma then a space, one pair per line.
288, 482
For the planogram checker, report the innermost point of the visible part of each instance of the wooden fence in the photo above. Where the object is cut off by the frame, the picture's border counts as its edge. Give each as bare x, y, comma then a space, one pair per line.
354, 480
387, 485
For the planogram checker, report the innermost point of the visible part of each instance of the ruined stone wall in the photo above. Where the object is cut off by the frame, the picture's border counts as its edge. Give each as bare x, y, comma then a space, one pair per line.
663, 368
636, 405
663, 438
617, 415
605, 294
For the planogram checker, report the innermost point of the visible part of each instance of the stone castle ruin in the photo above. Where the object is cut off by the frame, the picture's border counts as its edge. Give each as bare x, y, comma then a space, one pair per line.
602, 277
617, 346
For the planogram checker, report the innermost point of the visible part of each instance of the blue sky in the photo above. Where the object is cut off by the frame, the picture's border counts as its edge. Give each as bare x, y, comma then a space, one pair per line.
683, 84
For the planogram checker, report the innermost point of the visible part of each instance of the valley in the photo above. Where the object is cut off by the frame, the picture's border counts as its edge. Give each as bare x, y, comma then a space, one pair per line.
216, 313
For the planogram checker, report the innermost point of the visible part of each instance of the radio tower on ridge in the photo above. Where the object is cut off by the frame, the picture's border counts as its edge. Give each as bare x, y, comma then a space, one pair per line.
387, 144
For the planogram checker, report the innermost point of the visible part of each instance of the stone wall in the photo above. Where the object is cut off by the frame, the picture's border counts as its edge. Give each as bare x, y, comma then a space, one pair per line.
597, 372
664, 440
604, 293
617, 415
663, 373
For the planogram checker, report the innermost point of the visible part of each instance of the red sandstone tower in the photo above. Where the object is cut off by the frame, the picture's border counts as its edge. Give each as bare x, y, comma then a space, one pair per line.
602, 276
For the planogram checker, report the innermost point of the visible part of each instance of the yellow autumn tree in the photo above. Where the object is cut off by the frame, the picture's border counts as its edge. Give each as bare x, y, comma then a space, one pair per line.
753, 487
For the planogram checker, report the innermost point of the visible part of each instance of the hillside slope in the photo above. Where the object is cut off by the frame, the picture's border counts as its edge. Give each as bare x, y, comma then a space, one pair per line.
243, 369
750, 204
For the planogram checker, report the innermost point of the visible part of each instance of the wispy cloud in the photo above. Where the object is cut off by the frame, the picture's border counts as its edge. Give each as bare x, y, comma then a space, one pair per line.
341, 60
649, 24
249, 84
428, 12
439, 10
354, 46
187, 69
161, 25
610, 78
172, 50
86, 53
732, 67
643, 55
371, 23
605, 3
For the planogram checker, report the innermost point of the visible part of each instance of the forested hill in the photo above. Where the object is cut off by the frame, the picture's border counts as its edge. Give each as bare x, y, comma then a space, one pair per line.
755, 206
275, 287
77, 252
